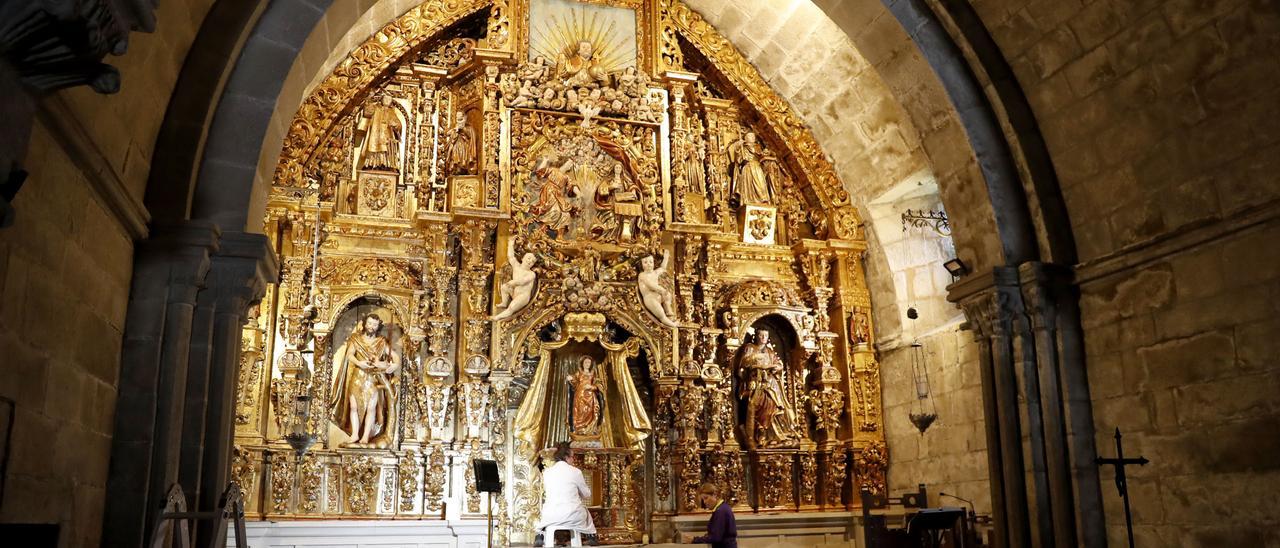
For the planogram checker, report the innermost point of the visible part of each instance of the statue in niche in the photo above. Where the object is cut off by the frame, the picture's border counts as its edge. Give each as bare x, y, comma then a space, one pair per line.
770, 420
586, 408
364, 387
518, 291
383, 131
750, 180
461, 156
579, 68
655, 296
694, 175
859, 329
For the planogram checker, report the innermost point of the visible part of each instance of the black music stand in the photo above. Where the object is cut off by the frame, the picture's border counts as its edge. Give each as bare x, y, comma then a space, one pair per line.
931, 523
487, 481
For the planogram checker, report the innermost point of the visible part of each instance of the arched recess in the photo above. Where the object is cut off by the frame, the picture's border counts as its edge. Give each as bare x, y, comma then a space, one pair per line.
224, 186
219, 124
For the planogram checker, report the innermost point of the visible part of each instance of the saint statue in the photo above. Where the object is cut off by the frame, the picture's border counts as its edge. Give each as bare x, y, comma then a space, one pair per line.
750, 181
655, 297
518, 291
579, 68
553, 207
694, 166
613, 205
382, 137
770, 421
461, 156
586, 409
859, 330
364, 388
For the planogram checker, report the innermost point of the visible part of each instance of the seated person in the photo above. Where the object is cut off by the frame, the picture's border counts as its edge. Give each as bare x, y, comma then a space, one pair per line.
564, 500
722, 528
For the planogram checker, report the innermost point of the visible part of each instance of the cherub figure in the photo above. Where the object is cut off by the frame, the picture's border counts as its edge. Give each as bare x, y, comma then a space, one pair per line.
518, 291
549, 100
535, 70
655, 297
526, 96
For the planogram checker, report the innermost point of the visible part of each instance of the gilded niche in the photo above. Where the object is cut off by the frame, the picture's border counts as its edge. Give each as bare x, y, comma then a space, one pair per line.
505, 224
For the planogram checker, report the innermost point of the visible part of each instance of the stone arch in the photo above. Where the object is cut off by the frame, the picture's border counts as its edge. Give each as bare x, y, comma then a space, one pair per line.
246, 116
224, 182
394, 302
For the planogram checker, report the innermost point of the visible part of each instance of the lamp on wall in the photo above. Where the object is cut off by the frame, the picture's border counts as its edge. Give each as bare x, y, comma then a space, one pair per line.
956, 268
923, 412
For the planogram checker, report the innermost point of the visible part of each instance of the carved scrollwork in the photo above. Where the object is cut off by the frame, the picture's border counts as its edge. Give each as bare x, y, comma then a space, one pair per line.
434, 479
311, 477
870, 464
760, 293
370, 272
361, 485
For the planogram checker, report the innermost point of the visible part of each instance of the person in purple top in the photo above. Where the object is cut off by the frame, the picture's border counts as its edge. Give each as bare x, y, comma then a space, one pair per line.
722, 529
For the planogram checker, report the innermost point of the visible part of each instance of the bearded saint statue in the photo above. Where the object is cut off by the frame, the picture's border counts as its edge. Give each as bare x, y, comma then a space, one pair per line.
461, 156
578, 66
364, 387
771, 422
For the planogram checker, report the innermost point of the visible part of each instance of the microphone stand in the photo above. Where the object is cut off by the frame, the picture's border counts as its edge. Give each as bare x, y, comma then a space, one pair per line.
972, 513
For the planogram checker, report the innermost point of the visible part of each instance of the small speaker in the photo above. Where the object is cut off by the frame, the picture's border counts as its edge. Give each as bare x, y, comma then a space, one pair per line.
487, 476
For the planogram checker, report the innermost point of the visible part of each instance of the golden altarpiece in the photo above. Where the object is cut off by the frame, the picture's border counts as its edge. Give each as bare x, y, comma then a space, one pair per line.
506, 224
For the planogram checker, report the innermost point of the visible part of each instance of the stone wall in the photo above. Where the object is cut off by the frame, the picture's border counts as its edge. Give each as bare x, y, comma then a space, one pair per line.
65, 268
66, 264
1183, 358
904, 270
951, 455
1151, 110
1165, 144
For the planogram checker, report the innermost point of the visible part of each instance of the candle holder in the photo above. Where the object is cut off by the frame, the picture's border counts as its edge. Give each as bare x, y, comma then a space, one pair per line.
297, 431
923, 412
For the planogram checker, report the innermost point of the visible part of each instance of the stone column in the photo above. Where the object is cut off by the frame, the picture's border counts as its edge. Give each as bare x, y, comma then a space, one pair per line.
238, 277
197, 395
169, 269
991, 301
1026, 321
1052, 302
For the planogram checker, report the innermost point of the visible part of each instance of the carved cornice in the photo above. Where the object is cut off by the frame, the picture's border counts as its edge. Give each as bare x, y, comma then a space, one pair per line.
65, 126
1141, 254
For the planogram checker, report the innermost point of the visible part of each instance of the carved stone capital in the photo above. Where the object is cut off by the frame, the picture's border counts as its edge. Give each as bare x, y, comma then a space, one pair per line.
1043, 286
992, 302
240, 270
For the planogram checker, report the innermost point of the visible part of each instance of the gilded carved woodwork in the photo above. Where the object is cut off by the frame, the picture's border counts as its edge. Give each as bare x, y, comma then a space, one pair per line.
673, 208
434, 479
283, 474
407, 471
869, 466
311, 478
361, 485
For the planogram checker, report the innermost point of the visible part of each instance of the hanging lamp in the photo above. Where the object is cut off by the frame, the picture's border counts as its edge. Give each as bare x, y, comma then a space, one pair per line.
923, 412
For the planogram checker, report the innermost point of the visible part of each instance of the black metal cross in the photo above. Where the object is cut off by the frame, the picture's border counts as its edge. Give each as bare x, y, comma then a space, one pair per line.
1121, 482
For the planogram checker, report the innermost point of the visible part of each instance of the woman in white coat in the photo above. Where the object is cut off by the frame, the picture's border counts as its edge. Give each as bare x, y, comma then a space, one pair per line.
564, 499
